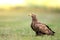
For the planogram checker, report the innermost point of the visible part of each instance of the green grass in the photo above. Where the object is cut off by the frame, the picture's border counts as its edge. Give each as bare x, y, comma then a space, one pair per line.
17, 27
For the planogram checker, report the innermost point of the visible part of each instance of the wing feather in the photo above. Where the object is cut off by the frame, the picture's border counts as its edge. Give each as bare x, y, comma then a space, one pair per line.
43, 28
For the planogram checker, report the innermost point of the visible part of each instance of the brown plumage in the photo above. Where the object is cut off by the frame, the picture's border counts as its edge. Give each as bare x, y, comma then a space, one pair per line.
40, 28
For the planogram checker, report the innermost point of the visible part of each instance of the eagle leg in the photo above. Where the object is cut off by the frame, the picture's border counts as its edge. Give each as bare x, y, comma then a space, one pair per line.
38, 33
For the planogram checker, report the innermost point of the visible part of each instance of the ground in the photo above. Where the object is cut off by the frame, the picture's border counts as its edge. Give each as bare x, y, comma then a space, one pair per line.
16, 26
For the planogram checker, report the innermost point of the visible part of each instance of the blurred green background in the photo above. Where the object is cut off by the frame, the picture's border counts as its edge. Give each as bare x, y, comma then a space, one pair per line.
15, 22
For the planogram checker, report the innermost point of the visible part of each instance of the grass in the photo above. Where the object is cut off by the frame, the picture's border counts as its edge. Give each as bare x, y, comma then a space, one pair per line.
17, 26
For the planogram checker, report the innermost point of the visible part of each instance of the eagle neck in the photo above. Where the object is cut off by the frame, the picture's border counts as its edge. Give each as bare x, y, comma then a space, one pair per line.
34, 19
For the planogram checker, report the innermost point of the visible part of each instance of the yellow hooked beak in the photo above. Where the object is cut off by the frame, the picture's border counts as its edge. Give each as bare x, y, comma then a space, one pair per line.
30, 14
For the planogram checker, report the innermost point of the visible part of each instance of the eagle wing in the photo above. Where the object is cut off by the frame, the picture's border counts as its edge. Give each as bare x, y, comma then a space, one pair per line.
43, 28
